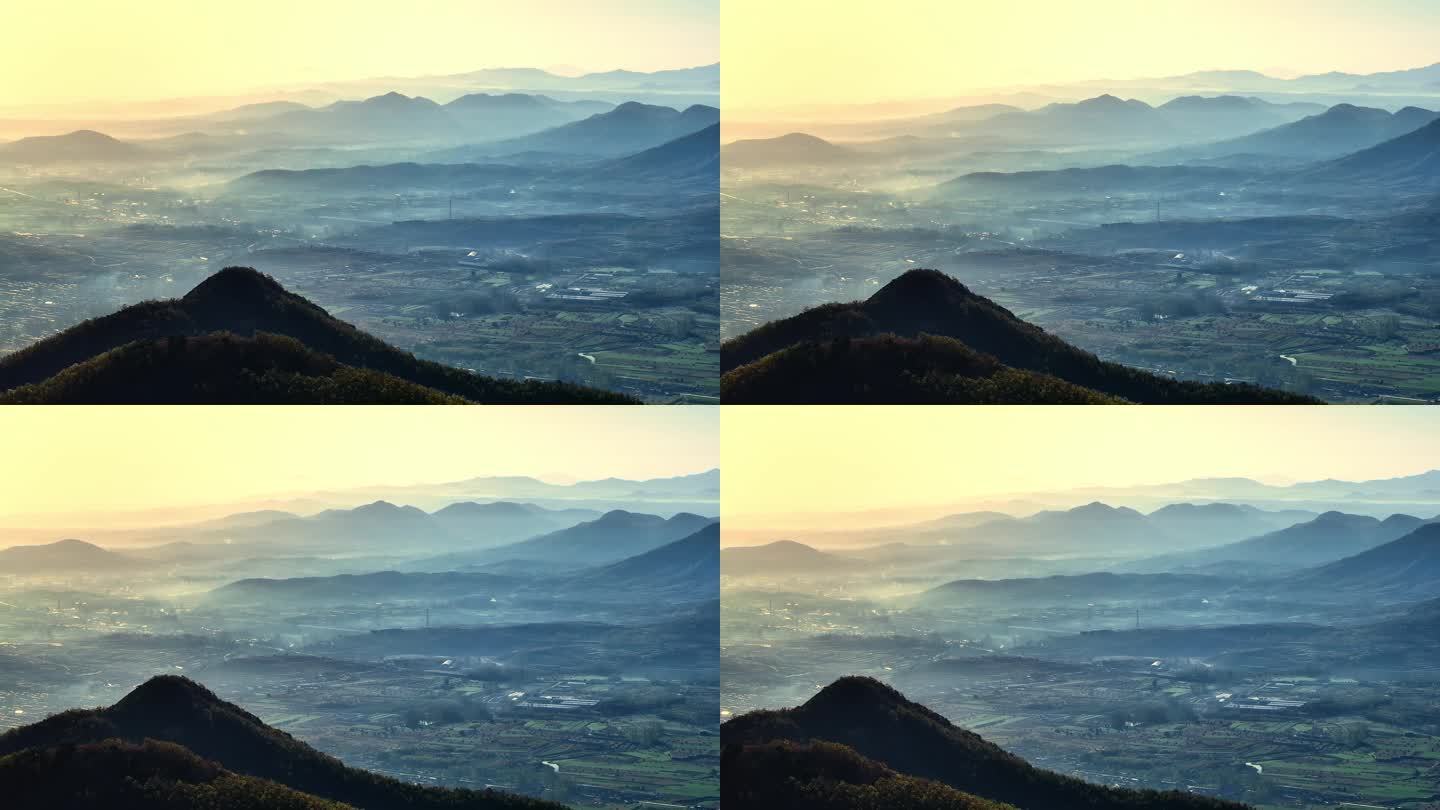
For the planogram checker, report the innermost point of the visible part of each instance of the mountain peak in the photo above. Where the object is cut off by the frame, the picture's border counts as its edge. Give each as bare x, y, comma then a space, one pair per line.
377, 506
236, 286
853, 691
72, 543
1334, 517
168, 694
89, 135
920, 284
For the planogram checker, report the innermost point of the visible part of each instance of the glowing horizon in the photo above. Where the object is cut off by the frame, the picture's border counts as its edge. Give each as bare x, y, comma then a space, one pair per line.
807, 52
843, 460
68, 460
98, 51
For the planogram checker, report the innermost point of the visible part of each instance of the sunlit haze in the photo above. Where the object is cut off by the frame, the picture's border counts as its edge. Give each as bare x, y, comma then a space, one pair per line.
121, 458
810, 52
782, 460
98, 50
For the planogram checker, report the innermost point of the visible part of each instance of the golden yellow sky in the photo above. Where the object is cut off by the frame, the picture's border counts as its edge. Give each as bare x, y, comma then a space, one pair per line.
92, 459
836, 459
77, 50
819, 51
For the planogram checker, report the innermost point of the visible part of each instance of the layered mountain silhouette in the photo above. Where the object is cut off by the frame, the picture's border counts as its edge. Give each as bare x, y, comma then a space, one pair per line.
689, 568
240, 337
199, 751
1219, 116
630, 127
612, 537
689, 159
859, 743
1407, 567
395, 116
925, 338
1342, 129
1204, 523
1329, 537
1410, 162
1103, 118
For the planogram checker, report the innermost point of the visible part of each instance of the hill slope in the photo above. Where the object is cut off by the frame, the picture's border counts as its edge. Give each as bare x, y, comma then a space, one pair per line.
826, 776
283, 349
689, 567
611, 537
630, 127
153, 775
1339, 130
880, 724
805, 358
690, 159
1410, 162
1408, 567
1329, 537
176, 710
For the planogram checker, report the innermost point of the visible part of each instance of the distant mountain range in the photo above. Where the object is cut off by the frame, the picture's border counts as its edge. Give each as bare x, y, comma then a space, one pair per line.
681, 571
1363, 147
699, 84
470, 127
172, 744
860, 744
241, 337
925, 338
1425, 80
397, 116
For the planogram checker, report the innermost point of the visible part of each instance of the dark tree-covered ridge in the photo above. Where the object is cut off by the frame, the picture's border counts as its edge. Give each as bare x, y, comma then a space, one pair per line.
921, 307
880, 724
219, 735
241, 320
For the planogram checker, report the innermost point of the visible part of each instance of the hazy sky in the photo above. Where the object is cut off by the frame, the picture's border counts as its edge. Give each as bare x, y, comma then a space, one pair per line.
844, 459
820, 51
126, 459
80, 50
